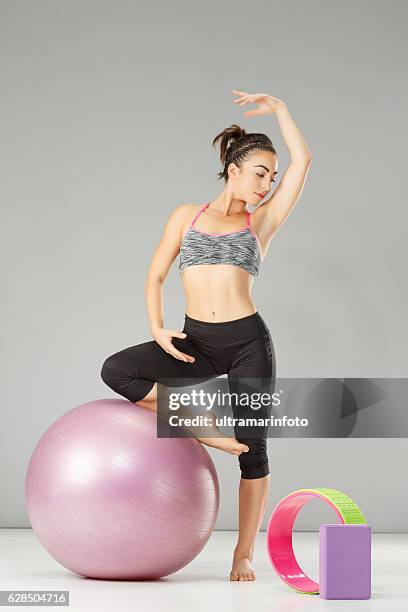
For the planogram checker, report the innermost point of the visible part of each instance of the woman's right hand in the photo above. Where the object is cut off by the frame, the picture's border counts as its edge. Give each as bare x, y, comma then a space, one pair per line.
164, 337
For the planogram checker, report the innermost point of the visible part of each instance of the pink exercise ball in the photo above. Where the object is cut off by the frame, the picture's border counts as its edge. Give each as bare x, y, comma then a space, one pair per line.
108, 499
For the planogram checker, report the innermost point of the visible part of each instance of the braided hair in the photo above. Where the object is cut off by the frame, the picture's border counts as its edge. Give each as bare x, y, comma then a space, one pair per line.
236, 144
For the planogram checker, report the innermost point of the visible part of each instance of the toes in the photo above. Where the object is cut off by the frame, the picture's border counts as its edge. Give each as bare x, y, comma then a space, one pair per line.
242, 576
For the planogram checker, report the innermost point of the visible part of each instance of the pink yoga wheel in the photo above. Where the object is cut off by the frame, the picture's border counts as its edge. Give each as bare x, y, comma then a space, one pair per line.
280, 528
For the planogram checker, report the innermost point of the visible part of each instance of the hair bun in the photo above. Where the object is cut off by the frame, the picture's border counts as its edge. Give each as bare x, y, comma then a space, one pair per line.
236, 132
235, 141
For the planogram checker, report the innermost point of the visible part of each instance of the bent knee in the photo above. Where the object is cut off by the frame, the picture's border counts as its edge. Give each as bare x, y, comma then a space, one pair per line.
109, 371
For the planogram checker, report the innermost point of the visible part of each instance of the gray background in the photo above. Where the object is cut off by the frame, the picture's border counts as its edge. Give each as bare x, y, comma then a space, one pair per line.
108, 110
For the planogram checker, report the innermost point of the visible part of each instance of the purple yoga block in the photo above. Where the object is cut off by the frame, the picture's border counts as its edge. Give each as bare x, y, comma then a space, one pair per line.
344, 561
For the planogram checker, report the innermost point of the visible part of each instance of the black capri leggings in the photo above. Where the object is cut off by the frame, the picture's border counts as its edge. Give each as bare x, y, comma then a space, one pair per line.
241, 348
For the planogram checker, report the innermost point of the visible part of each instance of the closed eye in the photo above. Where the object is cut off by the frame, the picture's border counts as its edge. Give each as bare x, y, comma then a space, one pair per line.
273, 180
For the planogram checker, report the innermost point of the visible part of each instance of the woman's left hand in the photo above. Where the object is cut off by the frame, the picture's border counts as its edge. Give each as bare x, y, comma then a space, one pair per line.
266, 104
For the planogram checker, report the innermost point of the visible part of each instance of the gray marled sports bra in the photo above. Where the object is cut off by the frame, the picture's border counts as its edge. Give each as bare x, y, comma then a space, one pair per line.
240, 248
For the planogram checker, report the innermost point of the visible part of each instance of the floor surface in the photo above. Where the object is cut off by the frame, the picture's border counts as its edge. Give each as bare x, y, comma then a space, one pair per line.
204, 584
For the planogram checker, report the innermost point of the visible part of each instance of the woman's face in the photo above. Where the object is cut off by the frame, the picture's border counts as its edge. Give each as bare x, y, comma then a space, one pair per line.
256, 176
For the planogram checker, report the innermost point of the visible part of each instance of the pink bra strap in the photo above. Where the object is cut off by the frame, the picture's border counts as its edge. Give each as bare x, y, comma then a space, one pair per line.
203, 207
248, 219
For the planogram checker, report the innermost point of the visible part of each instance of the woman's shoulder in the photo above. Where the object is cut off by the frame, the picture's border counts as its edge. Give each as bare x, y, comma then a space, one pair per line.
186, 212
188, 208
181, 216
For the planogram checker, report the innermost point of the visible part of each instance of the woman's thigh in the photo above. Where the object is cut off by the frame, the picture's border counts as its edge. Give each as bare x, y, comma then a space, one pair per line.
252, 377
133, 371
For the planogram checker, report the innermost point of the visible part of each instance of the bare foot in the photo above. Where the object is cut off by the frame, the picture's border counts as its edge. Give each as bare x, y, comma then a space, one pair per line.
230, 445
223, 442
242, 569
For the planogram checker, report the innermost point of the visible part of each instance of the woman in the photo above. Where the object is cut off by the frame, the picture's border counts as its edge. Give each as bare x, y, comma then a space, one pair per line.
221, 246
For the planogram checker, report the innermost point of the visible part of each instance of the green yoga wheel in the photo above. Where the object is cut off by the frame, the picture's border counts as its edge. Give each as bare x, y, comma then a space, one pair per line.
279, 532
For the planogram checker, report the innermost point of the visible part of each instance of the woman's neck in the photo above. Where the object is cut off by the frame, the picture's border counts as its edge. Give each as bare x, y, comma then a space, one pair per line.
227, 206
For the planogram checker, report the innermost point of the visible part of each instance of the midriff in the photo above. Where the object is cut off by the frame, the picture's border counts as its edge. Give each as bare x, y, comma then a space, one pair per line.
217, 292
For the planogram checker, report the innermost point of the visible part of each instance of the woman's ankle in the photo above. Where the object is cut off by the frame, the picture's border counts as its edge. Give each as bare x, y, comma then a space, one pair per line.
243, 553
